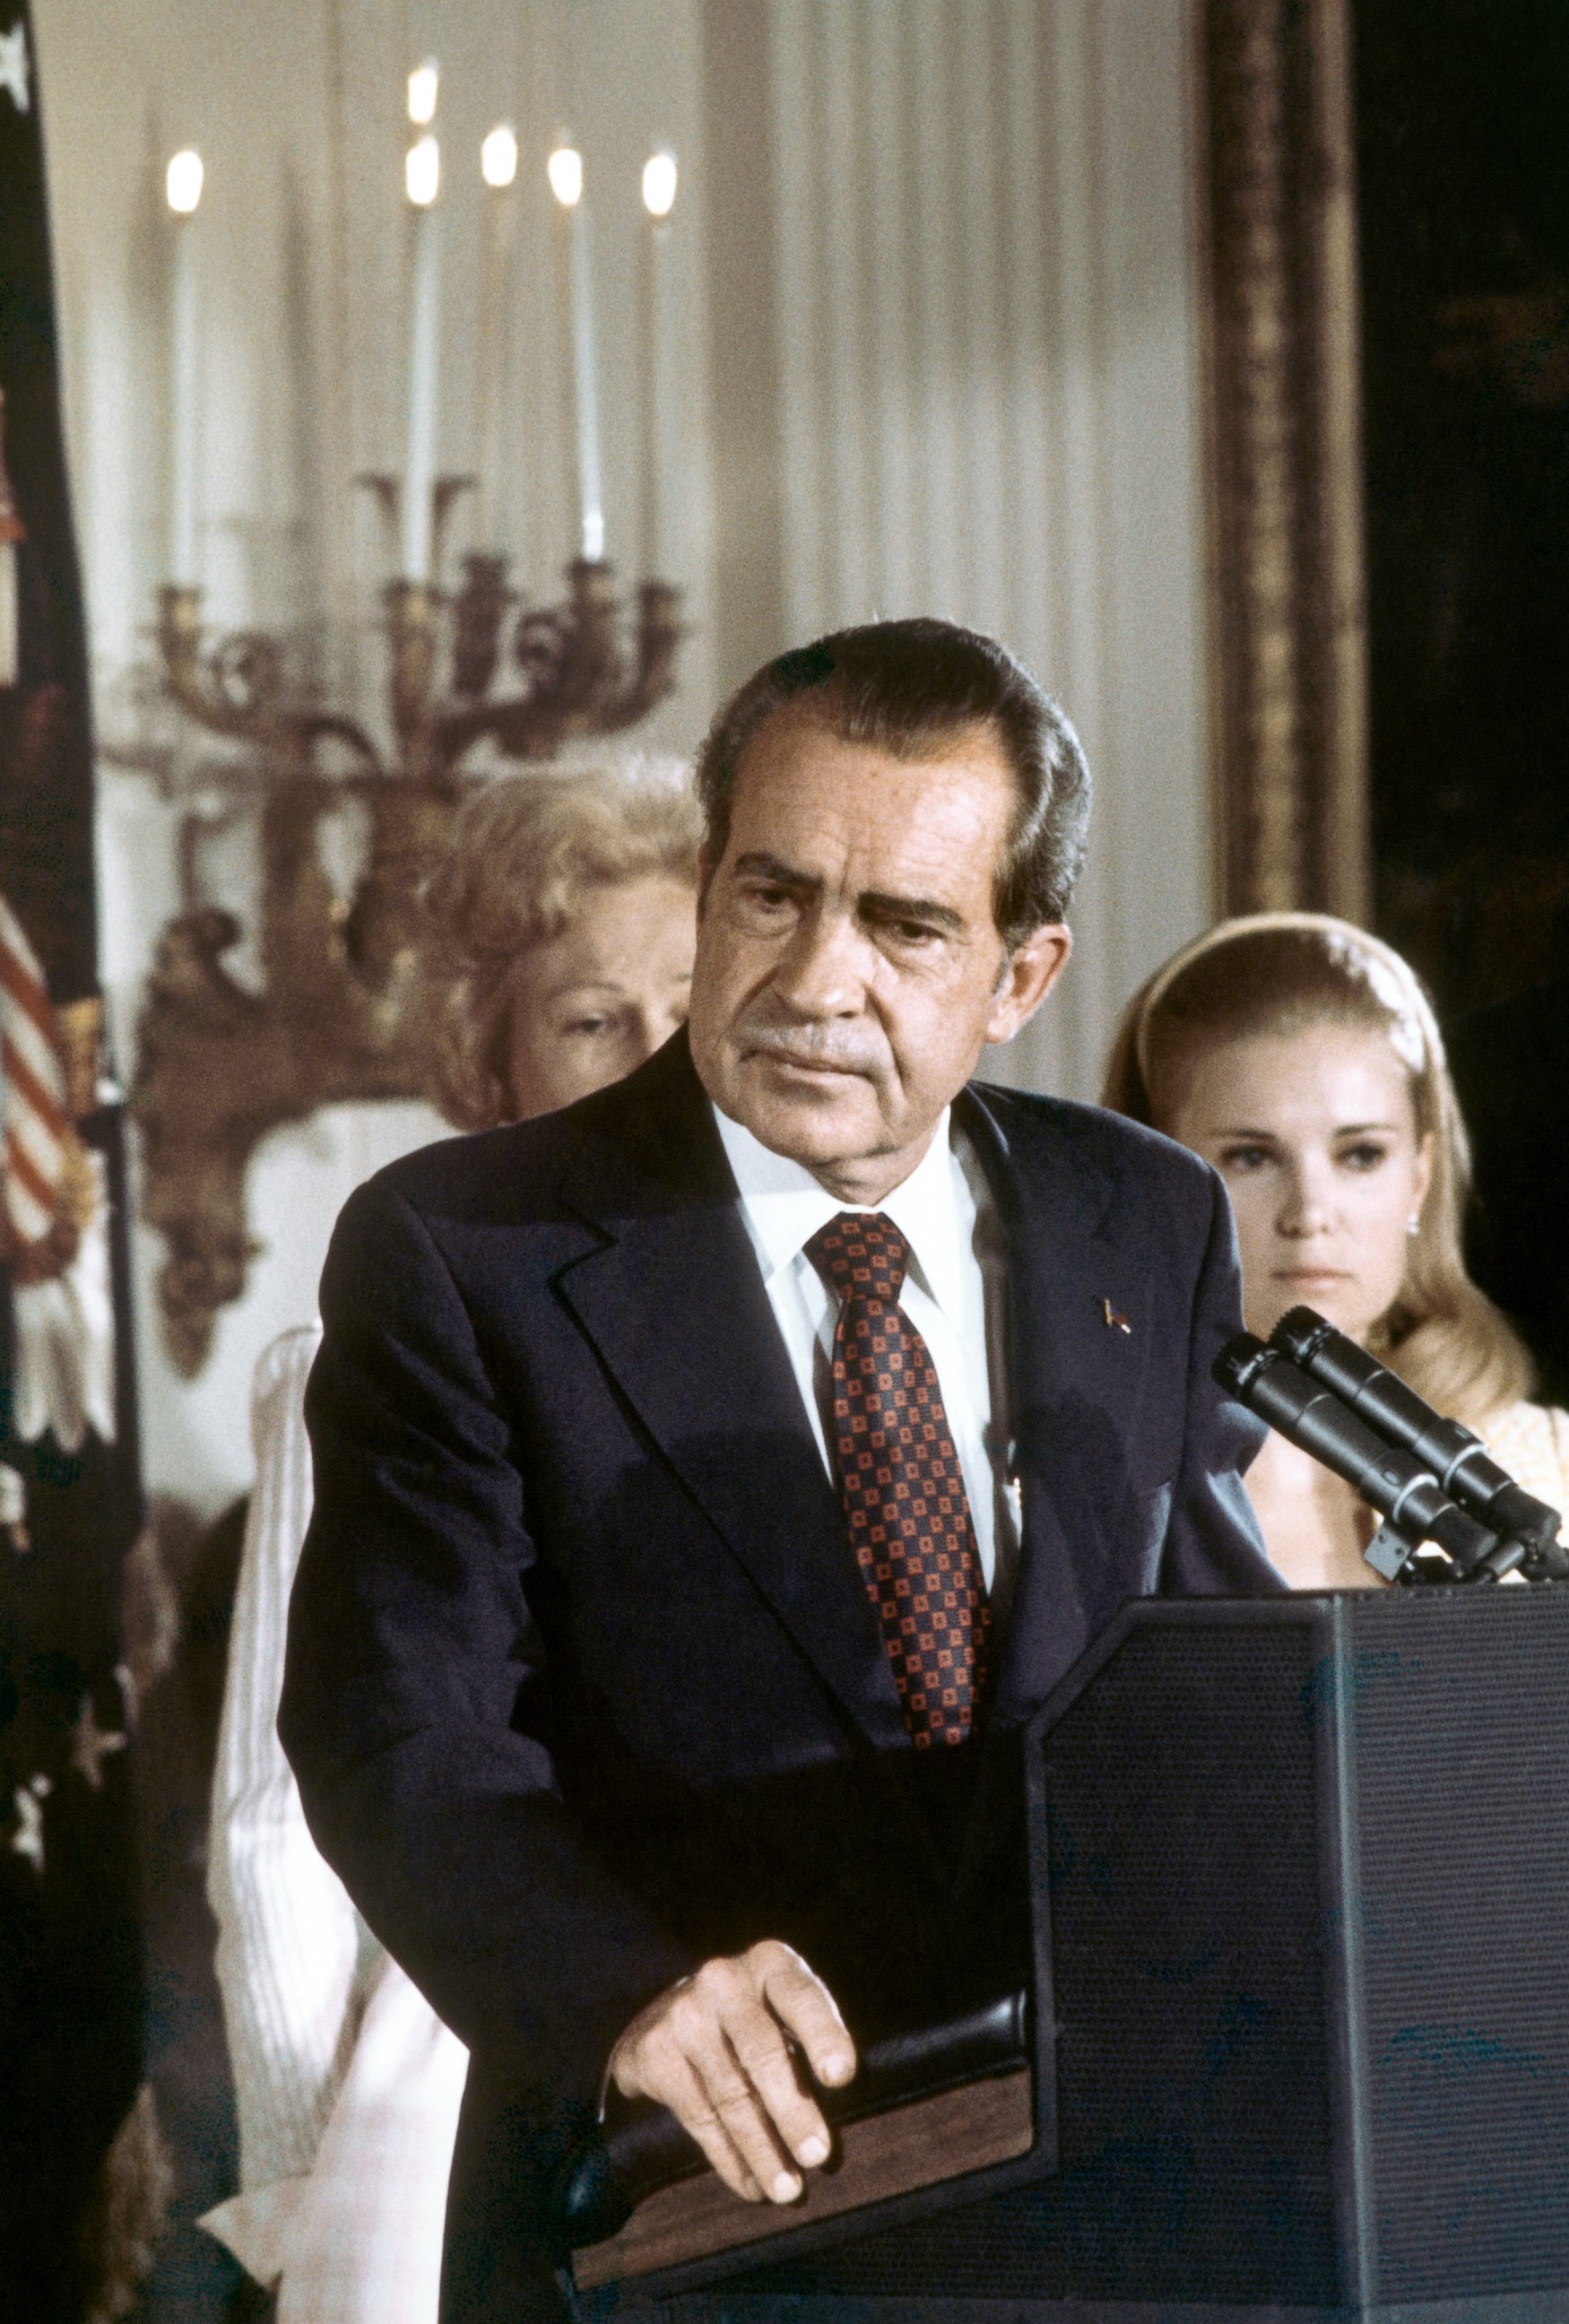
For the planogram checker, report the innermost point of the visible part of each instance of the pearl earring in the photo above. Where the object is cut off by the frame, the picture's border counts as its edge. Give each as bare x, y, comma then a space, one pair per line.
1413, 1222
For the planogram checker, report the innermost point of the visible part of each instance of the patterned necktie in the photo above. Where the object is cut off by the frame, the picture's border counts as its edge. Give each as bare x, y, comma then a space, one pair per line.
900, 1479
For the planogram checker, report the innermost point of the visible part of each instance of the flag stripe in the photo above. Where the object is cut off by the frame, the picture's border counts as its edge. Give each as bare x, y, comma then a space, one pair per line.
38, 1048
28, 993
33, 1121
22, 1172
41, 1151
20, 1075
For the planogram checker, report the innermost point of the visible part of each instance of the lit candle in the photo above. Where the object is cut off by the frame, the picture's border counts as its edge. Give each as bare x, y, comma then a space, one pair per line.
423, 178
424, 88
659, 187
566, 174
498, 164
182, 185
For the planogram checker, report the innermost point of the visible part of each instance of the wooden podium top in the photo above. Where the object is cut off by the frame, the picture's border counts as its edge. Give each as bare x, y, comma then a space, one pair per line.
910, 2147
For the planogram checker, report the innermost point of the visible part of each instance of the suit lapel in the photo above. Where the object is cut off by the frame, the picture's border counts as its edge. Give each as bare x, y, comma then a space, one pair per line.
1073, 1382
674, 1302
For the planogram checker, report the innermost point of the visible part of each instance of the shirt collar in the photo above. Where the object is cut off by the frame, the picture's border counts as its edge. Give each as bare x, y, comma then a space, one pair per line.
783, 1206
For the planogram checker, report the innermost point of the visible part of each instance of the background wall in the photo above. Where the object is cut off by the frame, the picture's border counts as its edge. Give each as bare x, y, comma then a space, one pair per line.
936, 300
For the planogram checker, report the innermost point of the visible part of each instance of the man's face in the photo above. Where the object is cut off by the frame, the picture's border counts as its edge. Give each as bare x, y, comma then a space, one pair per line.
849, 969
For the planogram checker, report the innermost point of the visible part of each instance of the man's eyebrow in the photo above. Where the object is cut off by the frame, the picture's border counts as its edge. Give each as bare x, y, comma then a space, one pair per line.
913, 908
761, 865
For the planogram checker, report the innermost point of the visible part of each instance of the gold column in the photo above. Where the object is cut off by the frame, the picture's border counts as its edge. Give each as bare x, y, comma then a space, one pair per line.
1285, 387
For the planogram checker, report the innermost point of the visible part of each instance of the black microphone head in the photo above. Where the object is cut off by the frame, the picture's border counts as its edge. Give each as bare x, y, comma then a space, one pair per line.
1299, 1335
1240, 1362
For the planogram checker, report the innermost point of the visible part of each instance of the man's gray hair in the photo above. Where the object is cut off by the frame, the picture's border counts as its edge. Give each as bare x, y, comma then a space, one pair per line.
909, 687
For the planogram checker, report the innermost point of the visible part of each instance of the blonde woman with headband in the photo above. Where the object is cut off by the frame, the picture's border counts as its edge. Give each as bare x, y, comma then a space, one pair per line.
1300, 1056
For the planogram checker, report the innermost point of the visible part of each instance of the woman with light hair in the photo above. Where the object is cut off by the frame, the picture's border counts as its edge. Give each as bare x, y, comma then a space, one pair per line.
1300, 1056
560, 934
561, 928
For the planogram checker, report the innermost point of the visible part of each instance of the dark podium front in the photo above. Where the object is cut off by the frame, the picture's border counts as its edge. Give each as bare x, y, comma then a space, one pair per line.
1301, 1881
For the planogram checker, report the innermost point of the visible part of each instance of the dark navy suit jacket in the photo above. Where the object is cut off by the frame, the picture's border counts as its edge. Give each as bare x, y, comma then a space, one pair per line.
583, 1683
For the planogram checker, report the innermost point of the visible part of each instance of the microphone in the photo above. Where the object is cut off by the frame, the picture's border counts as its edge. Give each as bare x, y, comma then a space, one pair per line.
1394, 1482
1453, 1453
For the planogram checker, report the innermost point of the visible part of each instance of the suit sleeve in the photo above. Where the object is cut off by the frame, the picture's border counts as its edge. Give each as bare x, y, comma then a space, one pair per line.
411, 1652
1214, 1547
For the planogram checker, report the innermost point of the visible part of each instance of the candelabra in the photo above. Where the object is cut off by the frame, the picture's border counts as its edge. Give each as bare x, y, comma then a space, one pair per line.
220, 1065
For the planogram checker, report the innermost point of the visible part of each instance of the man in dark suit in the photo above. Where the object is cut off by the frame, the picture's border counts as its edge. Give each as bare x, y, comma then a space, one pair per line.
711, 1479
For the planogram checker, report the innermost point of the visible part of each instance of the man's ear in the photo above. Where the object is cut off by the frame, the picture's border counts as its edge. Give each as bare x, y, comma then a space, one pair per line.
1028, 973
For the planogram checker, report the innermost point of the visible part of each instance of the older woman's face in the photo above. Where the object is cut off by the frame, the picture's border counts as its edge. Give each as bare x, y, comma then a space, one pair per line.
601, 996
1314, 1134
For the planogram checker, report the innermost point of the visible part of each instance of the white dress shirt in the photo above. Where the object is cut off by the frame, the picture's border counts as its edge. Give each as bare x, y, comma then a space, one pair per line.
954, 1294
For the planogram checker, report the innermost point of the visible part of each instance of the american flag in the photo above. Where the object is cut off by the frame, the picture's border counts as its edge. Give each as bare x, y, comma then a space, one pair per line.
33, 1122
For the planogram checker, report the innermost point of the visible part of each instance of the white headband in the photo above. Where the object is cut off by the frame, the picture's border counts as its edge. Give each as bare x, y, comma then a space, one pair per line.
1413, 1029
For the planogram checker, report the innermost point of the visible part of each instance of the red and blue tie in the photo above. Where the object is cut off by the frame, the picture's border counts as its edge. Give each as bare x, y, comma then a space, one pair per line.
903, 1491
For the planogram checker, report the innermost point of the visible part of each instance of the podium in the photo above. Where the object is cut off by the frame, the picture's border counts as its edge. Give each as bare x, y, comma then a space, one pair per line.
1299, 2044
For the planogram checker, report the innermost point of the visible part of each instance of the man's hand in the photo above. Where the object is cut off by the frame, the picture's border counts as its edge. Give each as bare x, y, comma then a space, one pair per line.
713, 2050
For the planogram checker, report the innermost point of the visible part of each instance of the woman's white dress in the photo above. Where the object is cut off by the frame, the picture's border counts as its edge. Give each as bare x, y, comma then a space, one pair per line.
1531, 1441
346, 2082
